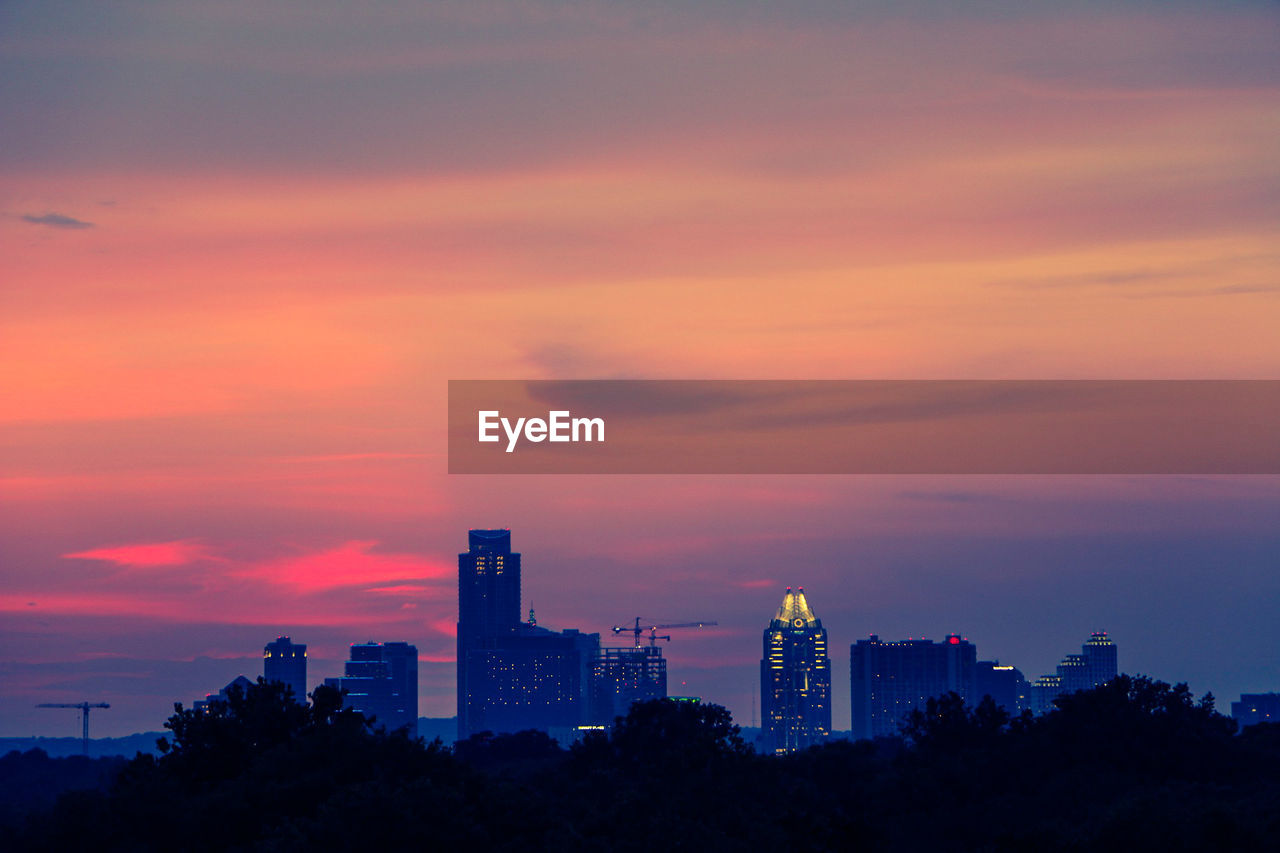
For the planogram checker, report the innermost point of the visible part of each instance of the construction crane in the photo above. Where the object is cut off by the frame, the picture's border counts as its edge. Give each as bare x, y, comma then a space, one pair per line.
637, 629
83, 707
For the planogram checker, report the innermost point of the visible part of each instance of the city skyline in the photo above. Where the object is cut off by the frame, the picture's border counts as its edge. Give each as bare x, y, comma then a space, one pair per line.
840, 694
513, 675
888, 679
245, 249
434, 700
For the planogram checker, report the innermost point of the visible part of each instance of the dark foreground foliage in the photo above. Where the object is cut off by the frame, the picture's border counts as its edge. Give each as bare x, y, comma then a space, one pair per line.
32, 780
1133, 765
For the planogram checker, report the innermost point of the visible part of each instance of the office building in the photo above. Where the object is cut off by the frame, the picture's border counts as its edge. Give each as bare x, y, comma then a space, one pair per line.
889, 680
381, 681
1006, 685
286, 662
795, 678
529, 678
513, 675
1094, 666
1254, 708
488, 605
621, 677
488, 585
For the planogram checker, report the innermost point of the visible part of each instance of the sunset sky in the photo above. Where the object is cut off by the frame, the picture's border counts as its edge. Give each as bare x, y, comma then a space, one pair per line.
243, 247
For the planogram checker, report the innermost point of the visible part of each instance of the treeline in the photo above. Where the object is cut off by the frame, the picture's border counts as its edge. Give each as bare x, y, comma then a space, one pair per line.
65, 747
32, 780
1133, 765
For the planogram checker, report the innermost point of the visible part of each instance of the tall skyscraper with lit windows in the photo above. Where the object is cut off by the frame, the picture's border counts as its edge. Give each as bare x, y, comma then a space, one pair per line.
286, 661
795, 678
514, 675
488, 585
488, 606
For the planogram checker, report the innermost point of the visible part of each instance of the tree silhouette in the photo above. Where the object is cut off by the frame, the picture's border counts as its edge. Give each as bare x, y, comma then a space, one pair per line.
947, 722
666, 731
1135, 764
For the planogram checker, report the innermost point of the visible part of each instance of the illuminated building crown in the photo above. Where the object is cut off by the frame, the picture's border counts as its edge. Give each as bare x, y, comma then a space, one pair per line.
795, 612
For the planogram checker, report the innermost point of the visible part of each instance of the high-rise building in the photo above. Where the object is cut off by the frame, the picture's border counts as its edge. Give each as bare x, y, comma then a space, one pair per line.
621, 677
381, 681
1101, 660
1254, 708
795, 678
890, 680
530, 678
513, 675
286, 661
488, 585
1006, 685
488, 605
1094, 666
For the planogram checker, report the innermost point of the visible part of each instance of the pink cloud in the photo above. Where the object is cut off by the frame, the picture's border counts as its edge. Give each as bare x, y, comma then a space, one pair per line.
763, 583
352, 563
148, 555
400, 589
448, 627
437, 658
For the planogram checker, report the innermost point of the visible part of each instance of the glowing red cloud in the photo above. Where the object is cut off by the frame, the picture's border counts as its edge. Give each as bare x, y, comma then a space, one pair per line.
147, 555
349, 564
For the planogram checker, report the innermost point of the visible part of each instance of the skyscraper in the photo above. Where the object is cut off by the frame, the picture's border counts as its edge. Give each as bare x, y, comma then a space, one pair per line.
488, 585
889, 680
1094, 666
488, 606
286, 661
513, 675
795, 677
381, 681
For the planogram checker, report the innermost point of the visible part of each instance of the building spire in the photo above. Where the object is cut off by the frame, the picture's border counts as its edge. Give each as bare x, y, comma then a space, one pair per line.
795, 611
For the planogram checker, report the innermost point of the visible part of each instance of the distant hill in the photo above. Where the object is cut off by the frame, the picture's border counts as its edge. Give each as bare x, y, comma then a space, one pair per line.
103, 747
445, 728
